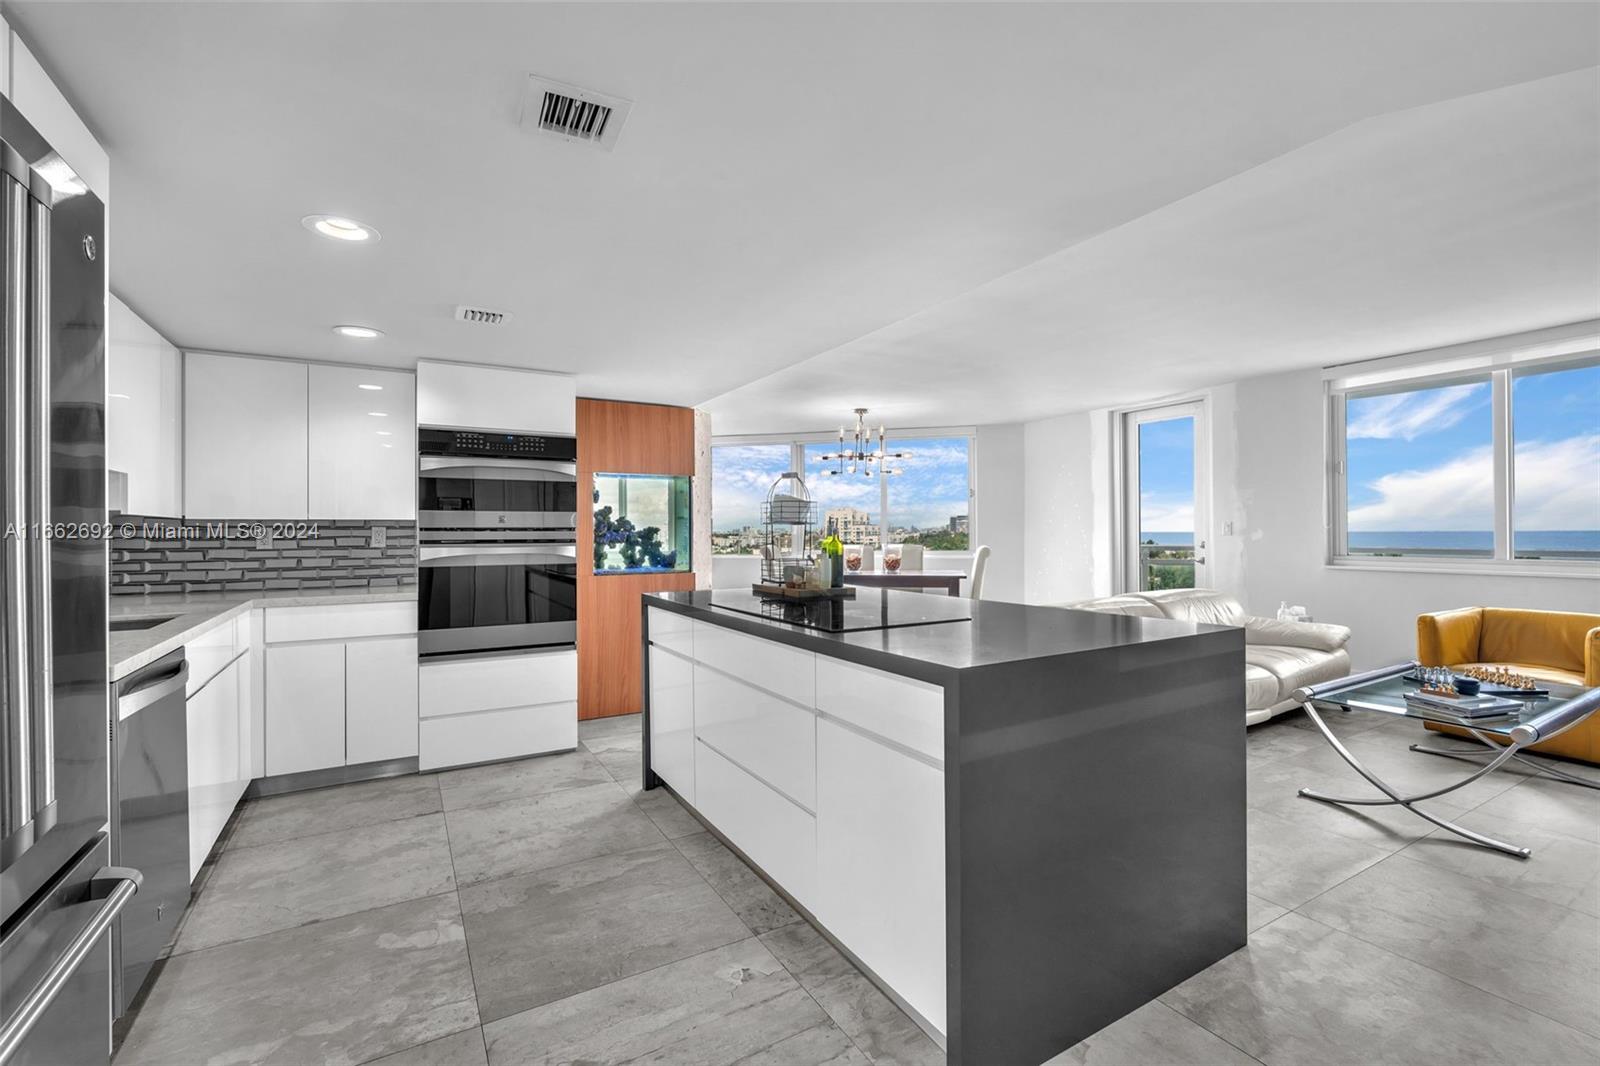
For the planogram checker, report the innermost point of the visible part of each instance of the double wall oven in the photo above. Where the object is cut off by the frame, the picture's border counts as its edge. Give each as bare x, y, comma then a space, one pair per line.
497, 517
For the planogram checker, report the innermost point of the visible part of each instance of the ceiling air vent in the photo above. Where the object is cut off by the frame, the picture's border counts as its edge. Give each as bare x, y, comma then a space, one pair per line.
481, 315
573, 114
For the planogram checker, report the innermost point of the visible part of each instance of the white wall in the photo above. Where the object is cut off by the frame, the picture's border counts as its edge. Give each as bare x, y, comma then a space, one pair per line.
1067, 512
1273, 490
999, 484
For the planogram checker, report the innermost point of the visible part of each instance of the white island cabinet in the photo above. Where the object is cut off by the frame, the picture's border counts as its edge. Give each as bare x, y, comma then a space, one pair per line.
827, 775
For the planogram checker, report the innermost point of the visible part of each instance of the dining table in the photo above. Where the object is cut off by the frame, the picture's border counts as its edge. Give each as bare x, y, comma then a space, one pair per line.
949, 580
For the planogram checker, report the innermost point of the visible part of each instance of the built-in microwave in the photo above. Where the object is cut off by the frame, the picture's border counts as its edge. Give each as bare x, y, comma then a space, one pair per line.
497, 551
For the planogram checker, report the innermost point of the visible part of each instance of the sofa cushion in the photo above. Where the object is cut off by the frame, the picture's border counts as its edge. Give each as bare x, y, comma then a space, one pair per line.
1260, 688
1295, 667
1198, 605
1134, 605
1321, 636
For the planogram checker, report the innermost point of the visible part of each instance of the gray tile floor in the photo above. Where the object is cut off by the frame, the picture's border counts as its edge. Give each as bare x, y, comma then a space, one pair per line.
549, 911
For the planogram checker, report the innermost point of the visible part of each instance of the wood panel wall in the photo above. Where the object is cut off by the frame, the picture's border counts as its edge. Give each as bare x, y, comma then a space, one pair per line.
620, 438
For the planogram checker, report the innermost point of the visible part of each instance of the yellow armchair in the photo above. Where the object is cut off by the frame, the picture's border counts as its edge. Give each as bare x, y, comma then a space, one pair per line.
1556, 646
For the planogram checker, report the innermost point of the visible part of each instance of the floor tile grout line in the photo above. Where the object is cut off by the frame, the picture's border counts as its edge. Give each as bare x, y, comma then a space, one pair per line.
314, 921
329, 832
1483, 882
1163, 1003
466, 941
413, 1047
1452, 977
625, 977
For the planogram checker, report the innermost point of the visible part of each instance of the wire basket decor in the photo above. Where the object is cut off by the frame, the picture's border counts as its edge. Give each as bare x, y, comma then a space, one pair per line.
790, 517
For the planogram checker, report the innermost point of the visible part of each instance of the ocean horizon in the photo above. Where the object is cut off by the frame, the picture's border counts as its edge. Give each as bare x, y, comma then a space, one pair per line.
1540, 540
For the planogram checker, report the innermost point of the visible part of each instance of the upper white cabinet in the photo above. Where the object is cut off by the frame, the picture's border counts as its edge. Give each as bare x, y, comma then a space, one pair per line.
143, 408
484, 397
38, 100
362, 443
245, 433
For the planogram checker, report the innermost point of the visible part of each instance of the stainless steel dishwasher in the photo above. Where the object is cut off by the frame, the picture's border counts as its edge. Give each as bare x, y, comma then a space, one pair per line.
149, 817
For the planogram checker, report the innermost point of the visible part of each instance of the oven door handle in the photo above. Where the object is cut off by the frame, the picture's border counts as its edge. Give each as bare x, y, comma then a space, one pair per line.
488, 555
497, 469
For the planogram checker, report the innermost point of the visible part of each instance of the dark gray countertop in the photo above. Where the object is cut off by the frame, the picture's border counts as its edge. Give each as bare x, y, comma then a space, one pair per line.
997, 633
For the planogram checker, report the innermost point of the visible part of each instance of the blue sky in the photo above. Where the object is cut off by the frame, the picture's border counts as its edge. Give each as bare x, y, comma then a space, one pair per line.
1423, 460
932, 488
1166, 476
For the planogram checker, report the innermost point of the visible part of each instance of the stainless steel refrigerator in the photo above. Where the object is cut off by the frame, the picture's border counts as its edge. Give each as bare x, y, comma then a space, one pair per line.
58, 893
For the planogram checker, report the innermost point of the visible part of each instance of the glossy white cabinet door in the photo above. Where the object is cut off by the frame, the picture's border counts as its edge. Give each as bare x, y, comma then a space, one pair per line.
771, 738
777, 835
881, 862
143, 411
672, 720
244, 447
486, 397
215, 773
380, 699
363, 458
305, 707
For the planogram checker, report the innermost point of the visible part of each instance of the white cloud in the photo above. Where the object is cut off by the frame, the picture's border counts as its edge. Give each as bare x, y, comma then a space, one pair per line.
1408, 415
1558, 484
1165, 514
1556, 488
1455, 495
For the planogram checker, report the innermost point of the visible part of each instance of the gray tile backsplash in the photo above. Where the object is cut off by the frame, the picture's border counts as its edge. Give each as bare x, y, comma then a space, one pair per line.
155, 555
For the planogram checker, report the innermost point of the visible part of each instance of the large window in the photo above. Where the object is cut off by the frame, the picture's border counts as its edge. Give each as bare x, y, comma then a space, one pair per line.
928, 503
1164, 496
1555, 422
1420, 471
1496, 466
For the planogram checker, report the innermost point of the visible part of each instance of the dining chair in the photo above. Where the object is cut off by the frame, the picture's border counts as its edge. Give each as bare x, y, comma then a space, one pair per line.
980, 563
910, 555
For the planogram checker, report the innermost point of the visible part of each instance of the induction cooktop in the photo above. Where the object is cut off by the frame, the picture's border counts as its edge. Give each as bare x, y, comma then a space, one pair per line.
871, 609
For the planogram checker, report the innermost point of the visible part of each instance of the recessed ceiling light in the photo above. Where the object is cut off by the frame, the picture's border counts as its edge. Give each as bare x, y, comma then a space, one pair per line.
365, 333
379, 414
116, 396
340, 228
370, 388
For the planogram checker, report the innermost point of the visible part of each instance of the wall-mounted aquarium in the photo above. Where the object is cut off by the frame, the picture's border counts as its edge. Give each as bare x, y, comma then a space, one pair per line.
641, 523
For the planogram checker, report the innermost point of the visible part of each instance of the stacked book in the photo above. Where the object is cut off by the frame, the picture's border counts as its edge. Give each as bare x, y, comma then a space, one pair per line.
1464, 706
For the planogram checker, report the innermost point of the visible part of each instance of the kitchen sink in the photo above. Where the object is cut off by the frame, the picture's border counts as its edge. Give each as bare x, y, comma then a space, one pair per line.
123, 625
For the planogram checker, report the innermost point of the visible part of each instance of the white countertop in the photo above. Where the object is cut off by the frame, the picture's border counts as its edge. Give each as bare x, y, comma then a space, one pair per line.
195, 613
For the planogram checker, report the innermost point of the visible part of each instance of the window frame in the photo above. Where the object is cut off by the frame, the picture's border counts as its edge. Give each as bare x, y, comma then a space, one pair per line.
797, 443
1499, 365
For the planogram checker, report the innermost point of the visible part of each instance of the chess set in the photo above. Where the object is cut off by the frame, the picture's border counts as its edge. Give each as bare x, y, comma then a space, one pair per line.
1500, 677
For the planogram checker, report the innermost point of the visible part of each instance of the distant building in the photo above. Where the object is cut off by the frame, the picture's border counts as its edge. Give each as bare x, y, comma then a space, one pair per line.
853, 525
958, 523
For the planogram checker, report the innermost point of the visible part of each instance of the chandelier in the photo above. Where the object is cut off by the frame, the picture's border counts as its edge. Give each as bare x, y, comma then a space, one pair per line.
861, 458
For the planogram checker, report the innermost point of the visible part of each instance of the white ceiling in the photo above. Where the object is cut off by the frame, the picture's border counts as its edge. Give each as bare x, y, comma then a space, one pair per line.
846, 182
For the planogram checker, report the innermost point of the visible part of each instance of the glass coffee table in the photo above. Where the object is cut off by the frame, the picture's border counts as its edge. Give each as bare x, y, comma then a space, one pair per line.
1384, 691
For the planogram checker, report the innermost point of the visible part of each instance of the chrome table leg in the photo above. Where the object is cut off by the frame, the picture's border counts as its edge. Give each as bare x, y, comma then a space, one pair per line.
1408, 802
1522, 759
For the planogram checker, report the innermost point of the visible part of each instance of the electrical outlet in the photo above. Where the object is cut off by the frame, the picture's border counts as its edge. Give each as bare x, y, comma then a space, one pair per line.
264, 541
1227, 529
380, 536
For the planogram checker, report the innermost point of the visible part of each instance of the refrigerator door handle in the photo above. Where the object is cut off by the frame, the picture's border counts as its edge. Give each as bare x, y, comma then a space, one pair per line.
16, 802
41, 703
119, 883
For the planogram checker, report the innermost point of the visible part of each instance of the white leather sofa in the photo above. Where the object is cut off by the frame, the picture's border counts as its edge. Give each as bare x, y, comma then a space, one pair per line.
1279, 656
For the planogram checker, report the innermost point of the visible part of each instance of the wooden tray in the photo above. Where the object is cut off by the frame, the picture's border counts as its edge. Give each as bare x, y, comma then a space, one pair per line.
846, 592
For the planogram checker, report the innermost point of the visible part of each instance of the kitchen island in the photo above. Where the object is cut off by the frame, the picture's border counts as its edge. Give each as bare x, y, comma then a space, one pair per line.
1022, 822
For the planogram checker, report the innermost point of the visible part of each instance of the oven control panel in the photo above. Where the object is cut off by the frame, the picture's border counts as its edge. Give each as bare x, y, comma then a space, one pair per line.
502, 445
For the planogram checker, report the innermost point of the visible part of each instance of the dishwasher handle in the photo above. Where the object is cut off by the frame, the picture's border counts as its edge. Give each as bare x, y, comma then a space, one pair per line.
118, 883
150, 692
